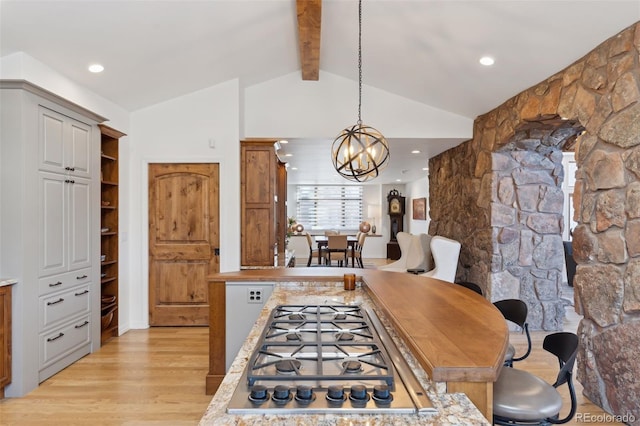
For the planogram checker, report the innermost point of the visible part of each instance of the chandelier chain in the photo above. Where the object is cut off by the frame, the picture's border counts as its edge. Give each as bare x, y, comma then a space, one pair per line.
360, 62
360, 152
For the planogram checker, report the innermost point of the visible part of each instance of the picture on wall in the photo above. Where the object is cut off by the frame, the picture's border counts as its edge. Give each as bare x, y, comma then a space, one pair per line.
420, 208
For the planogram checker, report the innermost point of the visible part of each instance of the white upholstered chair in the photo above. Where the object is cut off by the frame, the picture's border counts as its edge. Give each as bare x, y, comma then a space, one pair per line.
415, 253
445, 254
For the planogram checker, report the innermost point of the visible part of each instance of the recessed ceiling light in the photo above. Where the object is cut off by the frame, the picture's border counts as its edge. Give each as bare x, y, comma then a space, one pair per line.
288, 155
96, 68
398, 180
294, 168
487, 61
415, 151
283, 141
425, 168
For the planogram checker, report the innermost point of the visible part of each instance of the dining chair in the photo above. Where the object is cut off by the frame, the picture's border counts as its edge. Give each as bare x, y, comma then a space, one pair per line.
312, 251
521, 398
351, 250
357, 250
331, 232
336, 244
516, 311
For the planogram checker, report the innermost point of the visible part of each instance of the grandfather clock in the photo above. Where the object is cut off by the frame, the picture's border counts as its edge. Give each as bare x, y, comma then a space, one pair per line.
396, 217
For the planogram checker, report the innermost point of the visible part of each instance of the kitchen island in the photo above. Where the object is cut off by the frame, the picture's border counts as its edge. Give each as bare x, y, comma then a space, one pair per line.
453, 339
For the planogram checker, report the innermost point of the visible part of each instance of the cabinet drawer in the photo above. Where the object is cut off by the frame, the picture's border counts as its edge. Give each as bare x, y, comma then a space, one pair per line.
60, 306
63, 281
63, 340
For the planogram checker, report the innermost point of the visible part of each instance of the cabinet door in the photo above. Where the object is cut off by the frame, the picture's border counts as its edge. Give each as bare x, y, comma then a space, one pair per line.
78, 150
65, 225
79, 223
53, 220
52, 134
65, 144
5, 337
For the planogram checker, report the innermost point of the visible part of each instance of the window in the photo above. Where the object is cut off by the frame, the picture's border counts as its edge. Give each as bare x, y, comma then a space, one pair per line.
329, 207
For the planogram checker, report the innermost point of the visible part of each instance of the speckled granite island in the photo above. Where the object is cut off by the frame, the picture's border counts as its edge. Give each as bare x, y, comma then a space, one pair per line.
406, 312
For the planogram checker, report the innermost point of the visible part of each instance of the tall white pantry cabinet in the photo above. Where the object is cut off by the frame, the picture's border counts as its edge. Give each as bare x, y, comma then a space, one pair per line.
49, 229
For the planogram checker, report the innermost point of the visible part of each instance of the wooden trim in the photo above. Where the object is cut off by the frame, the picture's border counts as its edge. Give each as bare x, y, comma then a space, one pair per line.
110, 131
480, 393
217, 336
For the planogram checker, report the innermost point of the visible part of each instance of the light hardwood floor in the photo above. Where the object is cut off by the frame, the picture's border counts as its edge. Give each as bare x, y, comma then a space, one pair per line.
144, 377
156, 377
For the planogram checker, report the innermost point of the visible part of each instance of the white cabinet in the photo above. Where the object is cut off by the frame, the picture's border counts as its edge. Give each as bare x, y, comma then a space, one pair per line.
65, 144
244, 302
65, 223
50, 227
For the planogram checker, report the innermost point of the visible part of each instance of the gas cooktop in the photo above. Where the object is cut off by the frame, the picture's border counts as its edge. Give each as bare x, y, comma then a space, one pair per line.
325, 358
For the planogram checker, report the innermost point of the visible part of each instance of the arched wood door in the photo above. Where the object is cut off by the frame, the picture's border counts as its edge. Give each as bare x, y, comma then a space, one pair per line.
183, 241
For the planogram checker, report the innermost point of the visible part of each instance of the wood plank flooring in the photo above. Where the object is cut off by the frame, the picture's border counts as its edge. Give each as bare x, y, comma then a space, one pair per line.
144, 377
157, 376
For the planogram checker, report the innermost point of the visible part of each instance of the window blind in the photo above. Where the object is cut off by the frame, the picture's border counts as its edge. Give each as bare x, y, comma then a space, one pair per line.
323, 207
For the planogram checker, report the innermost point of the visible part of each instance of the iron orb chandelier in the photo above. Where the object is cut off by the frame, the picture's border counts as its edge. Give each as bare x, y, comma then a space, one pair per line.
360, 153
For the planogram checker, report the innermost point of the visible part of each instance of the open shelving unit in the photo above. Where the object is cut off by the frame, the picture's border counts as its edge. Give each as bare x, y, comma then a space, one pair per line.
109, 232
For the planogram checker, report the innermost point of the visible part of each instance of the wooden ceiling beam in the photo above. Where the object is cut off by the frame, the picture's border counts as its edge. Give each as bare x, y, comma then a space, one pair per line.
309, 20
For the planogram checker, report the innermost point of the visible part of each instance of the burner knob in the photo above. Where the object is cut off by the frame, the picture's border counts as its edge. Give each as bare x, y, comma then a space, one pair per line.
304, 393
381, 393
358, 393
281, 392
258, 393
335, 393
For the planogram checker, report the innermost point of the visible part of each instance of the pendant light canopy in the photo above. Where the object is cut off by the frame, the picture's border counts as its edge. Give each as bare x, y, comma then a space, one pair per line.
360, 152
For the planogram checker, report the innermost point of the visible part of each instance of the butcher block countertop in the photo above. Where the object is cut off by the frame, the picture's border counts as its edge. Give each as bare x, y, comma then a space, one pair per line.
457, 336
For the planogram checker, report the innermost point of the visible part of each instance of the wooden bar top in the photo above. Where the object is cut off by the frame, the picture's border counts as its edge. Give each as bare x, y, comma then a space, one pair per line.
455, 334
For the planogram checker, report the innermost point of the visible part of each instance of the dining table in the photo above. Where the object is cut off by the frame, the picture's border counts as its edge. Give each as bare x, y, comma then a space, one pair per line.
322, 241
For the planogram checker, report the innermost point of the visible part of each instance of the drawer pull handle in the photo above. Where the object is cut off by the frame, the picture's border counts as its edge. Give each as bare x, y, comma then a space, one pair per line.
82, 325
56, 302
82, 292
81, 277
51, 339
55, 284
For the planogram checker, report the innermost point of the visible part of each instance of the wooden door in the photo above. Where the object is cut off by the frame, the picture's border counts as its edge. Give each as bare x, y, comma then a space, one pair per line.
183, 241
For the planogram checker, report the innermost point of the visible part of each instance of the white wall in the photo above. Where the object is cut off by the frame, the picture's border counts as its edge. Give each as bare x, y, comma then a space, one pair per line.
290, 107
417, 189
180, 130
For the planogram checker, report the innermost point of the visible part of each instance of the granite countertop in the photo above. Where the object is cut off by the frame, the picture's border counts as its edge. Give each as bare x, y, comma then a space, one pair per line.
452, 409
7, 281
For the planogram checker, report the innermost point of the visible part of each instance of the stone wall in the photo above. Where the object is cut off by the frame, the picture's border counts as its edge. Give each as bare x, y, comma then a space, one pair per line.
509, 178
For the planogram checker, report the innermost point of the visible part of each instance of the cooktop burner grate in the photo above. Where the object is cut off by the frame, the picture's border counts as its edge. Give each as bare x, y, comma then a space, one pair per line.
327, 358
322, 342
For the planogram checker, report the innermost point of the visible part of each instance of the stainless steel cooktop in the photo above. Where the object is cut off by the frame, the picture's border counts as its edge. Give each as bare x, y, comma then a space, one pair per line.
327, 358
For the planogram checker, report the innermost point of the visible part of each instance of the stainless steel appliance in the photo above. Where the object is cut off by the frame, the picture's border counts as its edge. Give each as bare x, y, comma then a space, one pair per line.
327, 358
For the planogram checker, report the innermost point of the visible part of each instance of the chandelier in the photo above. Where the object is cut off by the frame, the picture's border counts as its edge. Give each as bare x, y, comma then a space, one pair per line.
360, 152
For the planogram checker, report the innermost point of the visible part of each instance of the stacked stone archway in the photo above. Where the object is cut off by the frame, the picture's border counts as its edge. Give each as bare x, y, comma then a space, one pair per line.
498, 194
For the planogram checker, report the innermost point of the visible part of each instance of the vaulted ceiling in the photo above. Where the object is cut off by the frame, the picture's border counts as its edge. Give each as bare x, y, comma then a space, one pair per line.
423, 50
